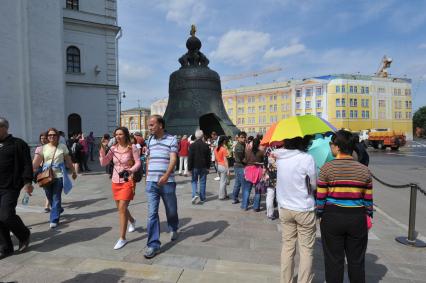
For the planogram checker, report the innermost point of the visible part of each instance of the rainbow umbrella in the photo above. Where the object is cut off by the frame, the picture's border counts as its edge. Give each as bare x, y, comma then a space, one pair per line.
267, 137
329, 124
299, 126
320, 151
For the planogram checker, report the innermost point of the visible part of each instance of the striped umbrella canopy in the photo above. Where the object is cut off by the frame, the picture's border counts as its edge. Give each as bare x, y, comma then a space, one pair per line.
329, 124
300, 126
268, 135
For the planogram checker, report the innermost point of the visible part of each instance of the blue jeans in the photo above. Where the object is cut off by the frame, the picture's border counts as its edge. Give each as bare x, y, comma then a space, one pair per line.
246, 196
143, 164
201, 174
239, 182
54, 195
91, 150
168, 193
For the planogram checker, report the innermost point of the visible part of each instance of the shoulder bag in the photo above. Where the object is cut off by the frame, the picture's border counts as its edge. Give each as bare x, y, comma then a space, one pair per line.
47, 177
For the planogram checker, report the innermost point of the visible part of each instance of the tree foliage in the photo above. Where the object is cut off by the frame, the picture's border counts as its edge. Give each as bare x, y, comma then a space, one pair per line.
419, 118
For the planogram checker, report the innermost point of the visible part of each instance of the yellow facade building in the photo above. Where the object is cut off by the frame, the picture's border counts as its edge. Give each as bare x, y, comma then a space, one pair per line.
253, 109
354, 102
136, 120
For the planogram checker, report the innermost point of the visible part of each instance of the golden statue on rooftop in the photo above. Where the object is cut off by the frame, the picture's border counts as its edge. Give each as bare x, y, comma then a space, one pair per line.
193, 30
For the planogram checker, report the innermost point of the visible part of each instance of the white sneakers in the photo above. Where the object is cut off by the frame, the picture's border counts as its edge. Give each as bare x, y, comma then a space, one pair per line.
132, 226
194, 199
53, 225
217, 178
120, 243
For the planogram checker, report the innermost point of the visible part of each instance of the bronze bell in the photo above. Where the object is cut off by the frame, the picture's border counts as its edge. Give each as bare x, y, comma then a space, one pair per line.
195, 96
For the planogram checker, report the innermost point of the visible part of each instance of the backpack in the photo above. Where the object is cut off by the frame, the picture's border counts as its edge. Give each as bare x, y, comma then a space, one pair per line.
137, 176
76, 147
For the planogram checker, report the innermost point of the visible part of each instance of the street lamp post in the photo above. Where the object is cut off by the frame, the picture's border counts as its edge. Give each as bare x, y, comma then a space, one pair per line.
121, 94
140, 116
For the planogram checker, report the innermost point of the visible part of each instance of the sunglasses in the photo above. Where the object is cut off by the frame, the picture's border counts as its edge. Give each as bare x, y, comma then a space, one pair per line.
52, 135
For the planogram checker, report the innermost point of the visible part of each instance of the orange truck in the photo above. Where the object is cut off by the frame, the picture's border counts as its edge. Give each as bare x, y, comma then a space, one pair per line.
384, 139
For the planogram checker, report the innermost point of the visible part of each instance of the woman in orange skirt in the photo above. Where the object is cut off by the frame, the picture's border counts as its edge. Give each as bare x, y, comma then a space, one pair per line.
126, 159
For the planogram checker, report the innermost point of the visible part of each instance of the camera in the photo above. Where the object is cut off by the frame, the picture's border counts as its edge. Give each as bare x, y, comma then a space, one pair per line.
125, 175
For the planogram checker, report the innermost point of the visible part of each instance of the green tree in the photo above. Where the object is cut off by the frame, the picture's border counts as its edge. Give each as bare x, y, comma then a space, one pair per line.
419, 118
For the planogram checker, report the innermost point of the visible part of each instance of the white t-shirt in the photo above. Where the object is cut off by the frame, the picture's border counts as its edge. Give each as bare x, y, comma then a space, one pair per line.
292, 168
47, 155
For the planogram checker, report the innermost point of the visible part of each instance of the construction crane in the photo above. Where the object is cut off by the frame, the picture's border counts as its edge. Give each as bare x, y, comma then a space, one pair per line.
382, 72
251, 74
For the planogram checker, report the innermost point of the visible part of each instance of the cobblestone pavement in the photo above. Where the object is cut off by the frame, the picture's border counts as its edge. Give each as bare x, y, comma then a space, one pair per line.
217, 242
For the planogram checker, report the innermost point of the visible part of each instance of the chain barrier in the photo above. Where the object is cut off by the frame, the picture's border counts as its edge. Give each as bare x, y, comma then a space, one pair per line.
421, 190
389, 185
411, 239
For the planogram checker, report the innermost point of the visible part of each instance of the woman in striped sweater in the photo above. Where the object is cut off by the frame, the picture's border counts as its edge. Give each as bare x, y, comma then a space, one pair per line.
344, 201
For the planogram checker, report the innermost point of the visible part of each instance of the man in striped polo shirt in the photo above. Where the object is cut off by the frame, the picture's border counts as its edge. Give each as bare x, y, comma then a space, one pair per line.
160, 183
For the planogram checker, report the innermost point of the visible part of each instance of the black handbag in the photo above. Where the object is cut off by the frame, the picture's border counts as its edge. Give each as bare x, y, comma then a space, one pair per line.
137, 176
311, 191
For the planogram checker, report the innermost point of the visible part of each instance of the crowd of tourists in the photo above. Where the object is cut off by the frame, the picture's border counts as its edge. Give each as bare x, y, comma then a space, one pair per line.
338, 196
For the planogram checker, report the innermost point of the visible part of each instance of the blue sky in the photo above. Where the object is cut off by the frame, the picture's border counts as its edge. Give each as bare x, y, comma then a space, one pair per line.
302, 37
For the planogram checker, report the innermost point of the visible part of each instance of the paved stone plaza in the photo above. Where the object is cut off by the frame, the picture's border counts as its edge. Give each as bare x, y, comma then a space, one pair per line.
217, 242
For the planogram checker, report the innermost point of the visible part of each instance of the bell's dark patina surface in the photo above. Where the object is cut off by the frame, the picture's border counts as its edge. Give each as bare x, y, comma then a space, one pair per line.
195, 96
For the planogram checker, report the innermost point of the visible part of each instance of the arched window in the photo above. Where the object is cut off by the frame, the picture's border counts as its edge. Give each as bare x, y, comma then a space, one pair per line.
72, 4
73, 60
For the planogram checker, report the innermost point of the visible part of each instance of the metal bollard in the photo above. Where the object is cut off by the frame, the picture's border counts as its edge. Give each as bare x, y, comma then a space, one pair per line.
411, 239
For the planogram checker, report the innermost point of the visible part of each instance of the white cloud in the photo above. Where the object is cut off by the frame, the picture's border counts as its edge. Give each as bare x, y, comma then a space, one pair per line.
422, 46
240, 46
292, 49
376, 8
405, 19
211, 39
130, 72
344, 60
184, 12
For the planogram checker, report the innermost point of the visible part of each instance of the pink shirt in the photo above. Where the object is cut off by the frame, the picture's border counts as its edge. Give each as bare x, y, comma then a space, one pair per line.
85, 145
121, 161
38, 149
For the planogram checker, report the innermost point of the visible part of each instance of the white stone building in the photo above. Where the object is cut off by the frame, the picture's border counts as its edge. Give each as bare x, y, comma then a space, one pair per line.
159, 107
59, 66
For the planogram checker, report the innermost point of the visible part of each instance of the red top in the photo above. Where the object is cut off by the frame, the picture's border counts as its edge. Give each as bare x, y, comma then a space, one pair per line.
139, 140
220, 155
85, 145
184, 147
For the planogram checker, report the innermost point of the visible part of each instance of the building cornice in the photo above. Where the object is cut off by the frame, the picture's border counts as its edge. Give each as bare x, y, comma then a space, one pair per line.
255, 88
265, 91
66, 10
92, 85
135, 110
73, 21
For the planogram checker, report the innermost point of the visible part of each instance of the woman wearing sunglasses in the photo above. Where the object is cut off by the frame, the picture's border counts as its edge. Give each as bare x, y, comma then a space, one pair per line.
54, 155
